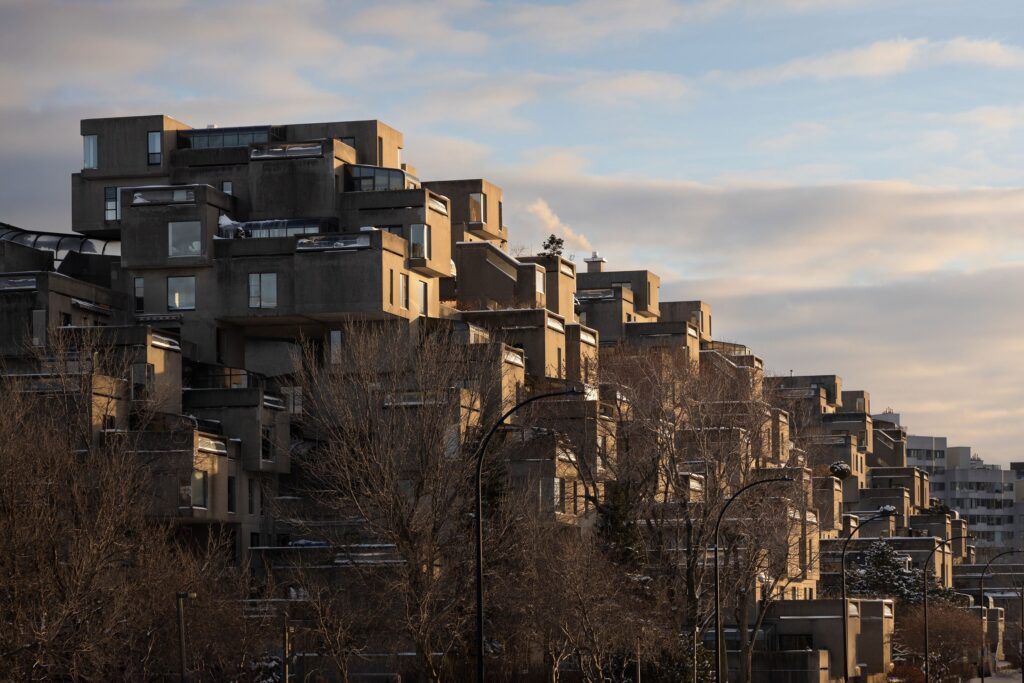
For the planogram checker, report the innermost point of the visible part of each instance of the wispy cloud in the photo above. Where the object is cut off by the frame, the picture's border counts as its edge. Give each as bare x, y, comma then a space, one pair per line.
993, 118
428, 26
611, 89
795, 135
880, 59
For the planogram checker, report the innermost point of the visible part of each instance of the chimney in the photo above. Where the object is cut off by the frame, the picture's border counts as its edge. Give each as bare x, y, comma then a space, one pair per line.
595, 264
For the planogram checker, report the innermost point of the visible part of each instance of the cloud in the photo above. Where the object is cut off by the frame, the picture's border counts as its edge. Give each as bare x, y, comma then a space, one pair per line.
427, 26
735, 237
994, 118
588, 23
880, 59
624, 88
551, 224
980, 52
796, 135
937, 348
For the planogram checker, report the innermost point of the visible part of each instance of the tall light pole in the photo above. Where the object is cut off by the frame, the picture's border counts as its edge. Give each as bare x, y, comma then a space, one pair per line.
480, 521
984, 615
924, 600
884, 511
183, 663
719, 641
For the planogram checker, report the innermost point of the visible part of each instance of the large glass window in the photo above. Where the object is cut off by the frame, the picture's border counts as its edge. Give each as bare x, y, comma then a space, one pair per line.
419, 243
232, 494
184, 239
200, 481
140, 294
155, 144
477, 207
181, 293
424, 297
540, 281
206, 138
370, 178
262, 290
90, 151
403, 292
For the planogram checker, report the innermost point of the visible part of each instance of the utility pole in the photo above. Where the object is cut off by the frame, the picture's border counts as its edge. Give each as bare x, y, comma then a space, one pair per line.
183, 661
285, 648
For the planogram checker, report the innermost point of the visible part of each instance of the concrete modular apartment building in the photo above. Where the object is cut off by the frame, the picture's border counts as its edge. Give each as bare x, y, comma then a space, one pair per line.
208, 253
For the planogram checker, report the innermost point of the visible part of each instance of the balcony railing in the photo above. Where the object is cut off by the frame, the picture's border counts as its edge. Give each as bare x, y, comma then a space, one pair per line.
282, 151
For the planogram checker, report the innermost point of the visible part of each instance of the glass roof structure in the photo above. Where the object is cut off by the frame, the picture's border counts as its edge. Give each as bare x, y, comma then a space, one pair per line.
59, 243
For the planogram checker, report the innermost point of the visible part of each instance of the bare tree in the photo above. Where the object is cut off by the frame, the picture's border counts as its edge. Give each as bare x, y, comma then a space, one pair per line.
396, 412
953, 648
691, 437
88, 577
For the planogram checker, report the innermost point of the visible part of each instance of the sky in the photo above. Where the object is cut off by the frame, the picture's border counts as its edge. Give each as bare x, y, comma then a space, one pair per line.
841, 179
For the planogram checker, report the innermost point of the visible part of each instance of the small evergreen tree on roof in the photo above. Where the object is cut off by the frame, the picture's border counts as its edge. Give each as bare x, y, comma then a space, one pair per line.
553, 245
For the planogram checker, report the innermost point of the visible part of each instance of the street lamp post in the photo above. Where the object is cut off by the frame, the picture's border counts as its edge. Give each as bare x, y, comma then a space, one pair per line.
984, 615
884, 511
924, 600
719, 641
480, 522
183, 663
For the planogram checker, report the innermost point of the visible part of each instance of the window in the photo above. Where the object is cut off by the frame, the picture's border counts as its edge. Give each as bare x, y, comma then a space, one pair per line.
334, 347
293, 399
403, 290
227, 187
558, 362
199, 489
477, 207
232, 494
348, 140
424, 297
65, 320
501, 211
380, 151
262, 290
540, 281
267, 444
252, 497
155, 142
419, 244
140, 294
362, 178
254, 539
111, 203
181, 293
559, 495
184, 238
391, 286
90, 151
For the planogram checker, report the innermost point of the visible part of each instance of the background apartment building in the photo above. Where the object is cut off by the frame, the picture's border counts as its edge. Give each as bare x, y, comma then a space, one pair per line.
984, 494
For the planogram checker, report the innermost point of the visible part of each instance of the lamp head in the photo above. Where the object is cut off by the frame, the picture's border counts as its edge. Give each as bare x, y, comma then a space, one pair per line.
840, 470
